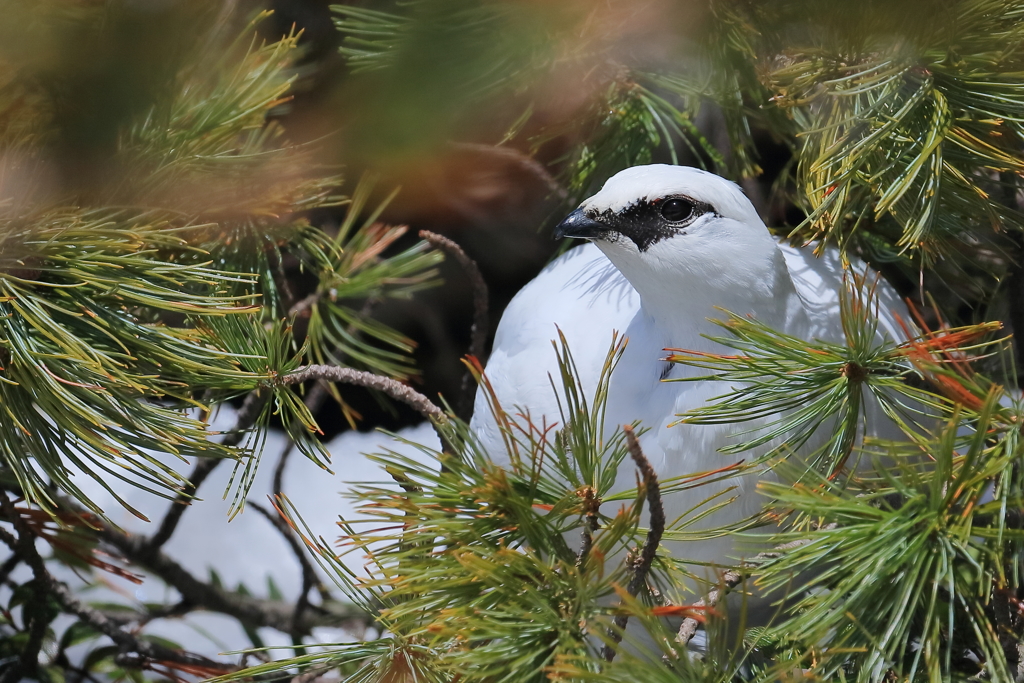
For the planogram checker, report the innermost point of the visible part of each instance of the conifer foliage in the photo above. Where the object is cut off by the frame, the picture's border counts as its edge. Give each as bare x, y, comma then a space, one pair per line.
136, 301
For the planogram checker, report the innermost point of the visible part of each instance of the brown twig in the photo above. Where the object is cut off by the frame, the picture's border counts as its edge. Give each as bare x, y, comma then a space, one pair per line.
481, 298
645, 557
8, 566
393, 388
144, 651
591, 507
311, 675
309, 577
201, 595
729, 580
245, 419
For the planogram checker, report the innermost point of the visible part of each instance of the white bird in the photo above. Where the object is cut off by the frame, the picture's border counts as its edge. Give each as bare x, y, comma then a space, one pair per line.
669, 244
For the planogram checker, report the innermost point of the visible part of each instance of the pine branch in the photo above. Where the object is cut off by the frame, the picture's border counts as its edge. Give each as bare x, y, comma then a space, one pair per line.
145, 651
642, 564
246, 418
197, 594
729, 580
313, 400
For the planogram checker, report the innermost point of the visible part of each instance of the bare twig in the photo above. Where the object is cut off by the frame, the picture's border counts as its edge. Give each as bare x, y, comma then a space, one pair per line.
644, 558
729, 580
245, 419
197, 594
309, 577
393, 388
201, 595
46, 585
315, 398
311, 675
204, 467
481, 297
657, 525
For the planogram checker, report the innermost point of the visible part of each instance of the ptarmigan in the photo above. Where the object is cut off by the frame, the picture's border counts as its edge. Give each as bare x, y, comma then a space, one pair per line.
669, 245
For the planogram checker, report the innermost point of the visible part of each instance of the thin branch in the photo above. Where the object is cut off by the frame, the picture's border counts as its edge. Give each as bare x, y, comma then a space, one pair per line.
729, 580
309, 577
649, 550
654, 503
204, 467
591, 506
25, 546
312, 675
393, 388
316, 397
245, 419
8, 566
46, 585
201, 595
481, 299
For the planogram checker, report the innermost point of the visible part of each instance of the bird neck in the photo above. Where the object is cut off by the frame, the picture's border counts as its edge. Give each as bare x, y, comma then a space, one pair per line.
683, 304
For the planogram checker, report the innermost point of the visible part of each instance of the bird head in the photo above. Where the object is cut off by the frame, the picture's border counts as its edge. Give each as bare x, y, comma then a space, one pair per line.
672, 228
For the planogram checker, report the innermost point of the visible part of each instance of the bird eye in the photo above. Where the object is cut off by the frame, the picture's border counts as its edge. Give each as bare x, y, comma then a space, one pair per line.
676, 210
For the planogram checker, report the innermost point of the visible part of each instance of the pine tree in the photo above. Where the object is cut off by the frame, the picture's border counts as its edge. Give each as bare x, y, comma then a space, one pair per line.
128, 317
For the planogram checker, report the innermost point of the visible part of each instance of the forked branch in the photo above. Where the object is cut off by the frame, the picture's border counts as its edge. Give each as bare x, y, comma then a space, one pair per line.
729, 580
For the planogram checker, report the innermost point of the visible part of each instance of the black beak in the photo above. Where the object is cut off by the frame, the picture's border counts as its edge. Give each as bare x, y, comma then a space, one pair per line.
578, 224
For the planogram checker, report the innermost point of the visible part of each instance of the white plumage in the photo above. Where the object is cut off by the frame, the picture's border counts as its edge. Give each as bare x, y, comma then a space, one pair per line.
658, 282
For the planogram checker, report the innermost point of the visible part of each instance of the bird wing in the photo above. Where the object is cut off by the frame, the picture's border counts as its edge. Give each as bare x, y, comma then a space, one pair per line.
818, 280
580, 293
686, 449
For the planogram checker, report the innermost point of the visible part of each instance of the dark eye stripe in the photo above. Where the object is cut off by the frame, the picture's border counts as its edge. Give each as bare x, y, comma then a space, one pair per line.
645, 223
